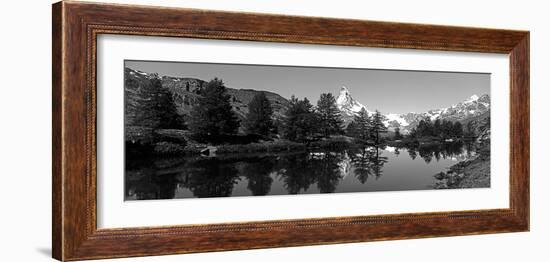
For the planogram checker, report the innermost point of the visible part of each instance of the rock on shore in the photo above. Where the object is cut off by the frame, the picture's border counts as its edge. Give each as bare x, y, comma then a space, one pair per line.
470, 173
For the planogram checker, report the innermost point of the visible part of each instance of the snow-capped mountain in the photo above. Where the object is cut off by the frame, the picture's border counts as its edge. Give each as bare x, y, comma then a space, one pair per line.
469, 108
347, 105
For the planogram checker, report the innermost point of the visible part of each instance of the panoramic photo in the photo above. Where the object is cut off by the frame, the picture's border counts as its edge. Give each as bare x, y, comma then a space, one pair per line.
198, 130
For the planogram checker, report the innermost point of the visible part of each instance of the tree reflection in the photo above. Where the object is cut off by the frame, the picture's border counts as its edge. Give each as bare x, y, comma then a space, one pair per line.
150, 178
361, 163
412, 153
377, 162
161, 178
328, 170
153, 187
367, 162
212, 178
296, 173
397, 151
426, 153
439, 151
302, 170
258, 175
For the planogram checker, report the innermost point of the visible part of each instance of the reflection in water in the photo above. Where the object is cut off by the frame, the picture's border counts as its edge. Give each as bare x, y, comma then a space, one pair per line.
211, 178
294, 173
368, 162
258, 176
348, 170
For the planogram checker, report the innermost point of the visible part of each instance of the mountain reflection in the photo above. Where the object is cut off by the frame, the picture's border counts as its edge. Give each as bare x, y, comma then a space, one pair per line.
277, 174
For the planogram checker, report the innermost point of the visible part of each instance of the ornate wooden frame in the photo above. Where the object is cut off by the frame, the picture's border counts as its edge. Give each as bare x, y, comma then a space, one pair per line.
76, 26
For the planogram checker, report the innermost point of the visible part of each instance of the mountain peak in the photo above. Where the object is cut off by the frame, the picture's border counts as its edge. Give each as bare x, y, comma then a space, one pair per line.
344, 96
347, 104
344, 90
485, 99
472, 98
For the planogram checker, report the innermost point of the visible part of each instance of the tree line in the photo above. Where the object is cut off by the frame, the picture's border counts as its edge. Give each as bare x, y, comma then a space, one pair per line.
302, 121
214, 177
367, 128
438, 128
212, 118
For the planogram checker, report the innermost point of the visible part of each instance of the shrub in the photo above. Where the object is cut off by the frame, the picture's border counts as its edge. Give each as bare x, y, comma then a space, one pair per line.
276, 146
167, 148
337, 142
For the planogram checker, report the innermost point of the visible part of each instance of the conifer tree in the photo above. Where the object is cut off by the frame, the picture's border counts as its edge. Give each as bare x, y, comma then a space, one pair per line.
259, 117
447, 127
351, 129
361, 125
156, 107
437, 127
330, 121
457, 129
213, 116
300, 120
377, 126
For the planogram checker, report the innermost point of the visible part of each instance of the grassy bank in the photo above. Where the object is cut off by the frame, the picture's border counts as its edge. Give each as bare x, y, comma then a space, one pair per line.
281, 145
268, 146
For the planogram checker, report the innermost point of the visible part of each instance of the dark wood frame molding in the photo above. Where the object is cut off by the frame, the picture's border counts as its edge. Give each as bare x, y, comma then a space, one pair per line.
76, 26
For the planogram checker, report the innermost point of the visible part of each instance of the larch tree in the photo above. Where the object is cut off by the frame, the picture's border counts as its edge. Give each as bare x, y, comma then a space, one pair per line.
156, 107
361, 125
458, 131
300, 120
259, 118
213, 116
330, 120
378, 126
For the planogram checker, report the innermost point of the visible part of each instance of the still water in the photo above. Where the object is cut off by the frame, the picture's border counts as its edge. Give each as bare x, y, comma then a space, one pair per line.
352, 170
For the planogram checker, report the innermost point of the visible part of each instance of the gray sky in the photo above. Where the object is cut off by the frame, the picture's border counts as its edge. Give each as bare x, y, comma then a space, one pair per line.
389, 91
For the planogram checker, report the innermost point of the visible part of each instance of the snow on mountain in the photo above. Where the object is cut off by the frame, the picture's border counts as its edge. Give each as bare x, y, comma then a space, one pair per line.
347, 105
395, 117
472, 99
471, 107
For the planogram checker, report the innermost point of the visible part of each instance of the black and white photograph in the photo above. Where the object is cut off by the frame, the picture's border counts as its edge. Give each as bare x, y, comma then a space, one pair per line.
198, 130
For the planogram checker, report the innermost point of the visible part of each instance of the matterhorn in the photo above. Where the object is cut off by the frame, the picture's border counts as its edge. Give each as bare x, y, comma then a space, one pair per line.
348, 106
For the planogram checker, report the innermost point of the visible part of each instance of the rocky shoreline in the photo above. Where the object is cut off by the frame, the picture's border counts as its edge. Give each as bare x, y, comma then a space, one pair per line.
474, 172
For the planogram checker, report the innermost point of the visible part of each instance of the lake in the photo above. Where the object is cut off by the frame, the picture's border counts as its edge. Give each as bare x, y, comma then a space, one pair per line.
319, 171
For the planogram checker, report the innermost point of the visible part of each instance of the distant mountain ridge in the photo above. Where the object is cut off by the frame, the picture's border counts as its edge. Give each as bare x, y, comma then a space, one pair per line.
463, 111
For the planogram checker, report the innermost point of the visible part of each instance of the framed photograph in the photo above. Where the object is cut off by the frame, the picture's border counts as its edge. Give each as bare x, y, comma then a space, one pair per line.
181, 130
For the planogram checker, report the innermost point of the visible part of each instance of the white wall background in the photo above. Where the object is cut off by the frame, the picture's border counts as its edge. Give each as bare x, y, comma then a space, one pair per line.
25, 147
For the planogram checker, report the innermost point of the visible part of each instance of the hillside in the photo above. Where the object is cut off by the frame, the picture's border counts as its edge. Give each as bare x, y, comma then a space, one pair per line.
186, 92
